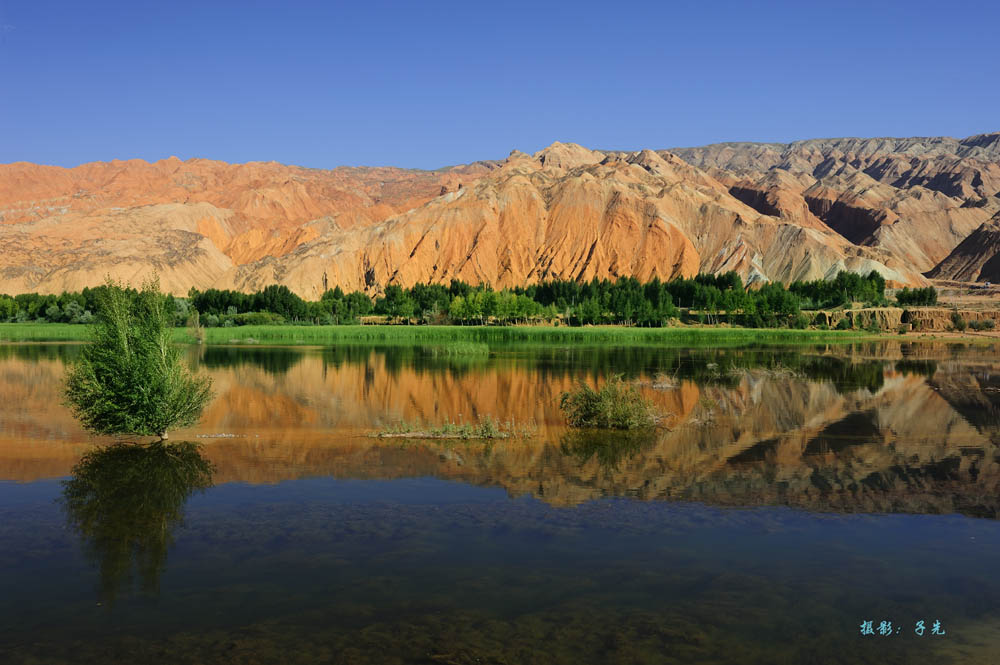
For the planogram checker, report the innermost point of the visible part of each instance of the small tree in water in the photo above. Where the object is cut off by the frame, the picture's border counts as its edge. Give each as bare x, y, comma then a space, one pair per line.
131, 379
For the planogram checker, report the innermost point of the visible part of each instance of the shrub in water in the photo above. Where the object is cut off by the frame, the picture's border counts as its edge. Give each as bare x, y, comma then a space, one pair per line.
131, 379
616, 405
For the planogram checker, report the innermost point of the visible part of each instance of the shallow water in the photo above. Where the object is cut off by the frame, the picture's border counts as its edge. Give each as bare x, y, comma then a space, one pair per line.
793, 494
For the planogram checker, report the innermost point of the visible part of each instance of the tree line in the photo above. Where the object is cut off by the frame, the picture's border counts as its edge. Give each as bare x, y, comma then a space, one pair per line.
925, 296
625, 301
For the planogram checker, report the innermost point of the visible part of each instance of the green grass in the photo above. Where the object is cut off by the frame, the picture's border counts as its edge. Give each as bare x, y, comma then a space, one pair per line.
62, 332
492, 335
43, 332
472, 336
457, 349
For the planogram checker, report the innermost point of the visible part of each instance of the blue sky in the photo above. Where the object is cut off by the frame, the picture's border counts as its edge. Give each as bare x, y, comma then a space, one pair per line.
427, 84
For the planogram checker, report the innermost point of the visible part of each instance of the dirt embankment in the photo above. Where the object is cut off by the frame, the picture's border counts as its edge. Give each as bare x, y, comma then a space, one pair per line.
940, 319
883, 318
897, 319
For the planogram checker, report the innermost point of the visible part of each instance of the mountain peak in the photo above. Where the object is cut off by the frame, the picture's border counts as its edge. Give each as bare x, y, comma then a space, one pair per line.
567, 155
776, 211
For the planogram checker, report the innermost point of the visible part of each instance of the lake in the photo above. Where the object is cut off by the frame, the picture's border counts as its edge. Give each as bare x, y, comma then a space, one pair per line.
791, 495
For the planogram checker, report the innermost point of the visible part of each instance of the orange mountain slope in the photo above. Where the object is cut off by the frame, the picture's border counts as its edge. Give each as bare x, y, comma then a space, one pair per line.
770, 212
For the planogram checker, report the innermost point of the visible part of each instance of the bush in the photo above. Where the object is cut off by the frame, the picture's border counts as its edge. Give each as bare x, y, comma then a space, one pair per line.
843, 324
957, 322
985, 324
132, 379
616, 405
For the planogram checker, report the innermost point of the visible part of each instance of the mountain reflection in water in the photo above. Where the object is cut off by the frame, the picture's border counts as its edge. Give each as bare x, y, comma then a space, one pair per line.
318, 542
886, 427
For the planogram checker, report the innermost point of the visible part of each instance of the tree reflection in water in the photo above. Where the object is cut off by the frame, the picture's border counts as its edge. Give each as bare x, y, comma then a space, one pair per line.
124, 501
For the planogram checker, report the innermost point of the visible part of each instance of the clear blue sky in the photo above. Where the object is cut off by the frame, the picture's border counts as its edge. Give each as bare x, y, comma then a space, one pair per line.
427, 84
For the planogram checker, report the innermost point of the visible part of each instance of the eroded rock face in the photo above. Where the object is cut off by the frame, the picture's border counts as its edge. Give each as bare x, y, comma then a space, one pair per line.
939, 319
881, 318
770, 212
191, 221
975, 259
916, 198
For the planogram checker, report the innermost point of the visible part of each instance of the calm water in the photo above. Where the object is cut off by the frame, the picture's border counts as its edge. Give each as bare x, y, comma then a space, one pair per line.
793, 494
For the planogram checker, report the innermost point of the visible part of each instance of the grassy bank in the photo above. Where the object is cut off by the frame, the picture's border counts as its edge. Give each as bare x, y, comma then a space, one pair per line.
42, 332
467, 335
497, 336
60, 332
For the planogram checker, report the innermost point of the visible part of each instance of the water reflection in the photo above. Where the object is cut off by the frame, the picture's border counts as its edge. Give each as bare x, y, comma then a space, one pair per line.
125, 500
274, 360
919, 367
610, 449
329, 562
867, 427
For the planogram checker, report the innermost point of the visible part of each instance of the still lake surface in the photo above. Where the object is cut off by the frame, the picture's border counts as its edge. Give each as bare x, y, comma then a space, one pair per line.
794, 493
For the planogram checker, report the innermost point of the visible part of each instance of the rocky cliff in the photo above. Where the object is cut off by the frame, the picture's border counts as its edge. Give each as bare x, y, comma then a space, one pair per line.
916, 198
975, 259
771, 212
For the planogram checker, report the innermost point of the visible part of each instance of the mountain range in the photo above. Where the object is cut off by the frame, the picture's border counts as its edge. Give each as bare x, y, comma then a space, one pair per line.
914, 209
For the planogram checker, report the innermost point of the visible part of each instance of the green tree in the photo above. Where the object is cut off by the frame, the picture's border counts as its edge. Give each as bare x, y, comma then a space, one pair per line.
53, 313
131, 379
589, 311
396, 302
490, 303
276, 298
357, 304
926, 296
8, 308
474, 305
457, 310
